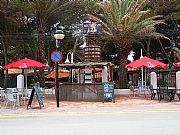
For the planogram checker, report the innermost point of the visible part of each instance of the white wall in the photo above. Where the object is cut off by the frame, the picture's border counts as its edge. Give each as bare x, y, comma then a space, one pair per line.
153, 80
178, 80
104, 74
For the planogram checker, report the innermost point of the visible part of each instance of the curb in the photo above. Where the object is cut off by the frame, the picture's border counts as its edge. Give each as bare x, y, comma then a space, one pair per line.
80, 113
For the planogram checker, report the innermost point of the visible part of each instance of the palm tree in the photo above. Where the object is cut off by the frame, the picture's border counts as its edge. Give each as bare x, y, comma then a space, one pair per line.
49, 12
123, 22
43, 10
176, 51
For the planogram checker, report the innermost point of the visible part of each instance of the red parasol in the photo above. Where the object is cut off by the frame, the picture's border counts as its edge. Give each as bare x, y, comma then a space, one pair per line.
146, 62
177, 64
25, 63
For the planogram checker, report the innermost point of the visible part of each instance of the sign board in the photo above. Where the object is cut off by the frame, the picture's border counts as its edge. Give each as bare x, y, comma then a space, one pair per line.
108, 90
92, 27
56, 56
36, 91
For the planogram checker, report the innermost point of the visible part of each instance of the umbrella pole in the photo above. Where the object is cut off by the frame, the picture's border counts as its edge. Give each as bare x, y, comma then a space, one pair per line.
26, 80
145, 78
142, 76
142, 70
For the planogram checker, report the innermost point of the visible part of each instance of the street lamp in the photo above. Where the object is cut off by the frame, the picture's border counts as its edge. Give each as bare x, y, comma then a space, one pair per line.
59, 35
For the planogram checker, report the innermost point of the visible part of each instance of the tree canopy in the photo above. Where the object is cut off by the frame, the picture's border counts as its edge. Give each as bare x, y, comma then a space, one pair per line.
124, 21
27, 27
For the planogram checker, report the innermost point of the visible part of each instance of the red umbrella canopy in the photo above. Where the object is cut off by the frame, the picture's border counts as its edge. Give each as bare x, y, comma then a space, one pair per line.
25, 63
146, 62
177, 64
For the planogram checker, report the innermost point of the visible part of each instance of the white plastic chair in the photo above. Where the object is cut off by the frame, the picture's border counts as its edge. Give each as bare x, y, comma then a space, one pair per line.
49, 91
133, 91
3, 97
10, 98
25, 96
29, 91
153, 92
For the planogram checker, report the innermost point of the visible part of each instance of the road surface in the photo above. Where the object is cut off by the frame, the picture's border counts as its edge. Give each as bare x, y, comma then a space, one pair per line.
100, 123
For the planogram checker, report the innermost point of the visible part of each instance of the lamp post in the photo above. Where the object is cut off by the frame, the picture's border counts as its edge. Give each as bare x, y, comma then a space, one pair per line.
59, 35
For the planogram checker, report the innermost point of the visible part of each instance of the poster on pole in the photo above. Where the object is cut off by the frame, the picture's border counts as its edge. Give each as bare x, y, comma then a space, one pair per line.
92, 27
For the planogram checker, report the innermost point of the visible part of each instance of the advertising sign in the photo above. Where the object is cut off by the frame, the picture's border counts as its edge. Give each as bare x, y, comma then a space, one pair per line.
108, 90
92, 27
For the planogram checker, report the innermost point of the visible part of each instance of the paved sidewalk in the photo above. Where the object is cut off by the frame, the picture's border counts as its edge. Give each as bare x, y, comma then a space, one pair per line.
123, 104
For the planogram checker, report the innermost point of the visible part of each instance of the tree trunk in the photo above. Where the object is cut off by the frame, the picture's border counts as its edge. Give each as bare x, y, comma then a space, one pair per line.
124, 49
122, 71
41, 55
5, 61
41, 47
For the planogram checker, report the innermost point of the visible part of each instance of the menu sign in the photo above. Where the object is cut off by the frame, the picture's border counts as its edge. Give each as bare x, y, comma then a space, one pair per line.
108, 90
36, 91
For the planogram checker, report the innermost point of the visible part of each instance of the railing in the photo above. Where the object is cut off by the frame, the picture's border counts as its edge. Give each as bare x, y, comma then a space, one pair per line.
81, 92
169, 77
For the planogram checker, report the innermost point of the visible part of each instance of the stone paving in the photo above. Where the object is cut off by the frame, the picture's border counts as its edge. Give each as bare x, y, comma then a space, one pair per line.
123, 103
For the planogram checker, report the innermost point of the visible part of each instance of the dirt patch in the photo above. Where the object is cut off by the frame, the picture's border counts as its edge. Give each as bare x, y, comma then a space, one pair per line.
120, 101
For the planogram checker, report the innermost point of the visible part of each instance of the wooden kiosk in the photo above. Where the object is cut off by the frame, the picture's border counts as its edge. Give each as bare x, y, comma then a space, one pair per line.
87, 78
85, 82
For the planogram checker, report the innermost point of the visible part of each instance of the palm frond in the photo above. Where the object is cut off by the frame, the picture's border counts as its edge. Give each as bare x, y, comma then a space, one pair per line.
122, 18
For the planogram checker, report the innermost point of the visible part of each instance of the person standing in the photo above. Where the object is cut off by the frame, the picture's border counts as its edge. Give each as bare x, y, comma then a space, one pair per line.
139, 86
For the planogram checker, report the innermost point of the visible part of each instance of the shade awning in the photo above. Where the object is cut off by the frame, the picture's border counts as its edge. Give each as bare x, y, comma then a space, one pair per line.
60, 75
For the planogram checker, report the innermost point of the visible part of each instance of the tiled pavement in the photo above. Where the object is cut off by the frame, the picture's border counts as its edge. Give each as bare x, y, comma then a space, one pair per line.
123, 103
